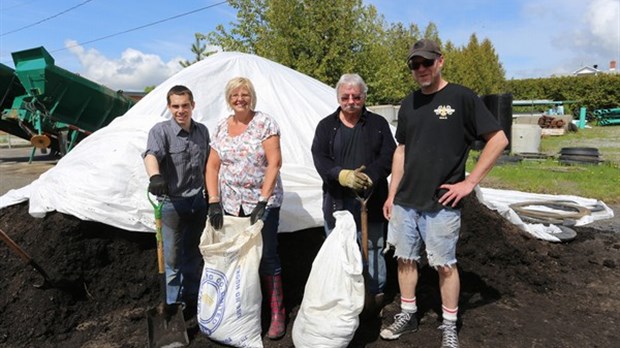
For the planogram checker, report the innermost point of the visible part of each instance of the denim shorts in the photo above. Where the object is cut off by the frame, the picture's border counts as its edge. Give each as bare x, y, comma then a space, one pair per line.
409, 229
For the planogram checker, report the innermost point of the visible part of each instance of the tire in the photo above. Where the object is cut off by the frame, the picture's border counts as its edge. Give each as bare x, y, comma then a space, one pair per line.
505, 159
572, 127
533, 155
566, 235
580, 151
586, 159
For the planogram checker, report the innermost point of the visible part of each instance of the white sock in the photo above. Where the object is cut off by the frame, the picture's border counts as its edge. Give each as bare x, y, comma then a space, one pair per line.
408, 305
449, 313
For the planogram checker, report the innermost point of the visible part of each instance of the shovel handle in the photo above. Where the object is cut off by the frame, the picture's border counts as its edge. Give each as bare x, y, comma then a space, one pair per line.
24, 255
160, 241
364, 221
16, 248
156, 206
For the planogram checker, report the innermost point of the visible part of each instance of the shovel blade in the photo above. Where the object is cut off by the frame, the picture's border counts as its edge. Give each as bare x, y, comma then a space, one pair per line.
166, 328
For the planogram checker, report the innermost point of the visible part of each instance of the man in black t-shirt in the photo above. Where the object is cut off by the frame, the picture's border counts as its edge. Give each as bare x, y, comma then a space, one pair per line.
436, 127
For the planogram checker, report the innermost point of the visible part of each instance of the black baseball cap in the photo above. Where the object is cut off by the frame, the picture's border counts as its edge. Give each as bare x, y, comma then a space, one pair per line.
425, 48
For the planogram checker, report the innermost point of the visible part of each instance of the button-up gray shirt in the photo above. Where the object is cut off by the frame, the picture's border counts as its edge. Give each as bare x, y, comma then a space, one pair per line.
182, 156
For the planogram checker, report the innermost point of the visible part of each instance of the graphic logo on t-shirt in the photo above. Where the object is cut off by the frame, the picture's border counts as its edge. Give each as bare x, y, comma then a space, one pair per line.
443, 111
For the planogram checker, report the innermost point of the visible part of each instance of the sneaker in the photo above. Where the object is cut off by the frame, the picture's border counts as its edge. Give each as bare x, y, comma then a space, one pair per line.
403, 323
449, 339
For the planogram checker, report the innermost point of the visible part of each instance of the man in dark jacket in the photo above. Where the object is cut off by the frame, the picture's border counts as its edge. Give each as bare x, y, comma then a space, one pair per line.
352, 152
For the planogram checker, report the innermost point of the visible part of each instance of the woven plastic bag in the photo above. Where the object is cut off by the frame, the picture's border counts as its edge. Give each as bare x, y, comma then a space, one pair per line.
334, 294
229, 298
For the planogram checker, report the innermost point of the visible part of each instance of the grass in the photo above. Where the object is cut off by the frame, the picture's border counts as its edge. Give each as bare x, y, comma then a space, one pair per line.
601, 181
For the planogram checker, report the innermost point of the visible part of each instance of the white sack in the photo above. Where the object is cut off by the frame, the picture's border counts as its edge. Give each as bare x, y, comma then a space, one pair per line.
229, 299
334, 294
103, 178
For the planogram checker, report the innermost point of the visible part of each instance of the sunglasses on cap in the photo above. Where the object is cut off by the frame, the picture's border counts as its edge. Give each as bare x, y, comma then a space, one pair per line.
416, 65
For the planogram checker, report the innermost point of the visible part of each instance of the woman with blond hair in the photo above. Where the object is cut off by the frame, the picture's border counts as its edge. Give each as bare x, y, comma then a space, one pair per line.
243, 179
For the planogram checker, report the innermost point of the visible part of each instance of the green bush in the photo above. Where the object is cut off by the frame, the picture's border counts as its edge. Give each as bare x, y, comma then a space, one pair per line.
593, 92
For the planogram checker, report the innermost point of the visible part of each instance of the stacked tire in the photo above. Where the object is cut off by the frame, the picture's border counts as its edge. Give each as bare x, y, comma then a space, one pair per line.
579, 156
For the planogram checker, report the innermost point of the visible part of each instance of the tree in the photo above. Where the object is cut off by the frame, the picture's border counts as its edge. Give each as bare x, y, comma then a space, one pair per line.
246, 32
452, 71
476, 66
492, 72
389, 78
319, 38
326, 38
198, 49
432, 33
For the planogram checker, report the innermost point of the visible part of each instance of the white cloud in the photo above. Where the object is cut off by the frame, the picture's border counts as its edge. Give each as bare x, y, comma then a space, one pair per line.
603, 18
557, 37
595, 38
133, 71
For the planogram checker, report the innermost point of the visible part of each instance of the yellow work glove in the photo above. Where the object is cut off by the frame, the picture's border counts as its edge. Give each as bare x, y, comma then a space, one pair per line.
354, 179
368, 180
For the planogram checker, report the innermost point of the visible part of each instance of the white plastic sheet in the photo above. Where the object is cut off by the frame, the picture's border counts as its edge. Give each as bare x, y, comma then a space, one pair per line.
500, 201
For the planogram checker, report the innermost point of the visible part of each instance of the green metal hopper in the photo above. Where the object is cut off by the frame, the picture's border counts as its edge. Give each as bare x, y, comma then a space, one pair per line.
60, 105
10, 87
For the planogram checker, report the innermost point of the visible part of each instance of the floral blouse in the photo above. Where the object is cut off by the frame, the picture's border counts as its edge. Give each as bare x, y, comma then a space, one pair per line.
243, 164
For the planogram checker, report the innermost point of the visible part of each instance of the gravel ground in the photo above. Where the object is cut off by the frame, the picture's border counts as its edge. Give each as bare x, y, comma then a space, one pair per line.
16, 169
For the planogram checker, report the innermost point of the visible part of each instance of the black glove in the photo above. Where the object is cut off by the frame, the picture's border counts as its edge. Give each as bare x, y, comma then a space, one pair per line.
216, 215
258, 212
158, 185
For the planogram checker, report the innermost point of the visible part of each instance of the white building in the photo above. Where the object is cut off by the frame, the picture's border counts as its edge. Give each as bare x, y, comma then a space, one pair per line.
593, 70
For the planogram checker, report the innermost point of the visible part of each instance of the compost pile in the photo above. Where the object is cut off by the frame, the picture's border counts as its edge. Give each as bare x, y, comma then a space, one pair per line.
516, 291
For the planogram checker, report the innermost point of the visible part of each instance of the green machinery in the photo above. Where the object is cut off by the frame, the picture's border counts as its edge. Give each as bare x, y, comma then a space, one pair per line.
52, 107
607, 117
10, 87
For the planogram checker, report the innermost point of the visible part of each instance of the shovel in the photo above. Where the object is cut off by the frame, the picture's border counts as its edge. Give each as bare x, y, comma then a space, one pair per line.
46, 283
166, 325
369, 299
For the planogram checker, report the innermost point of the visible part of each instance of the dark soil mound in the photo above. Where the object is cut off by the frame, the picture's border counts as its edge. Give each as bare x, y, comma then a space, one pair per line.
516, 291
103, 278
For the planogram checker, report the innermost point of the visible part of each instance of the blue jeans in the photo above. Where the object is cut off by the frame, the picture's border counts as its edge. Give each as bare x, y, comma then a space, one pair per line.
183, 220
376, 260
270, 262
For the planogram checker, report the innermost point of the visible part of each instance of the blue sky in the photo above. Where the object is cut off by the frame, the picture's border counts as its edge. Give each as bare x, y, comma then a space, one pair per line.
131, 44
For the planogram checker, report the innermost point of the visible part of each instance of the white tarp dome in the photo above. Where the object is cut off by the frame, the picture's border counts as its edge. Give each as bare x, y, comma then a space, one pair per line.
103, 178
